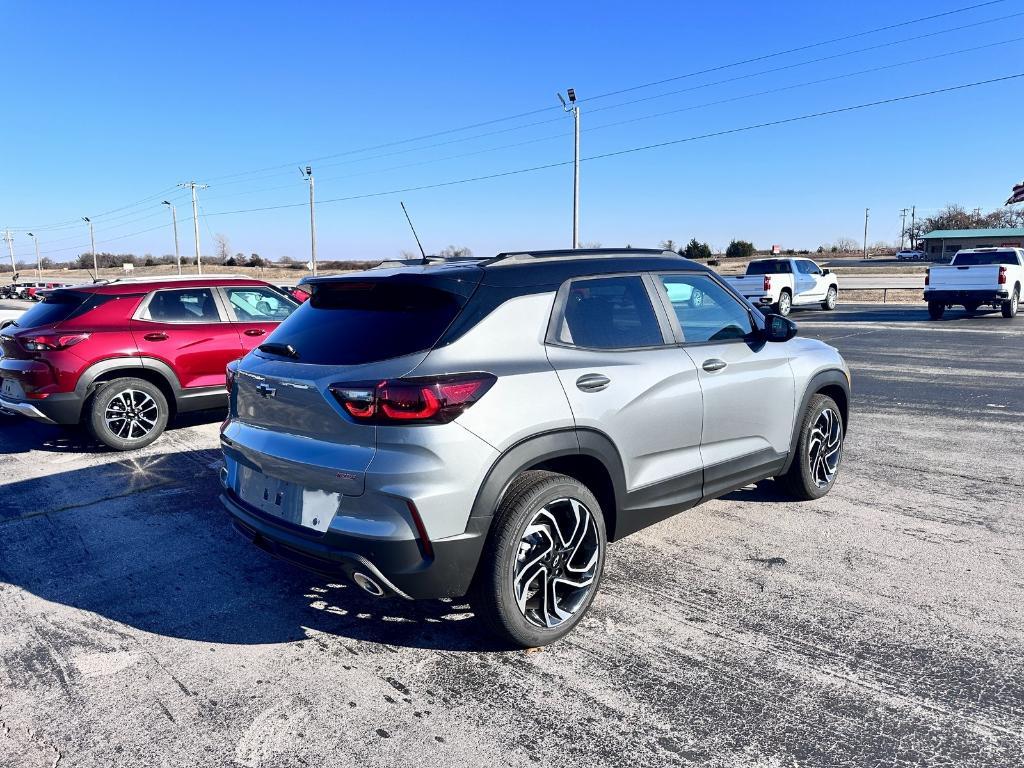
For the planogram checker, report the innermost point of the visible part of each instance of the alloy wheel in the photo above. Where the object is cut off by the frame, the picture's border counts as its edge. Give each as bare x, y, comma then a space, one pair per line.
825, 447
785, 304
830, 298
131, 414
556, 562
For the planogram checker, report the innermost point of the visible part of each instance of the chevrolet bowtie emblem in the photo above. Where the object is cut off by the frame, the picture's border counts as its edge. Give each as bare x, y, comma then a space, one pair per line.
266, 390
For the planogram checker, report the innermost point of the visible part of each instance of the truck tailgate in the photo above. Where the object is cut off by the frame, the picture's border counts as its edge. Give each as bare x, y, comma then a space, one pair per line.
748, 286
966, 278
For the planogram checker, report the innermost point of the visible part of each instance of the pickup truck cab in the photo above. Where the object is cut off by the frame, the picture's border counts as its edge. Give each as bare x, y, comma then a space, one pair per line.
977, 277
781, 284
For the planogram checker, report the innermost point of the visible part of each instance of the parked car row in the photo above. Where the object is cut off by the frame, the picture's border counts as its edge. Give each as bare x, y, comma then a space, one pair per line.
31, 291
433, 430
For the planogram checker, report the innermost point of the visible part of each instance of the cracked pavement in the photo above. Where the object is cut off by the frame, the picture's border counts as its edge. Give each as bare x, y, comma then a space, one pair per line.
880, 625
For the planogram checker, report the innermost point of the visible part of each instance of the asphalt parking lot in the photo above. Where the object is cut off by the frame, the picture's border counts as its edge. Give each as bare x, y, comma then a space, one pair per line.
881, 625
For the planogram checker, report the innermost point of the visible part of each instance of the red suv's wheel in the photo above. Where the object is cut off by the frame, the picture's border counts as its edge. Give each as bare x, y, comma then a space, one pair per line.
127, 413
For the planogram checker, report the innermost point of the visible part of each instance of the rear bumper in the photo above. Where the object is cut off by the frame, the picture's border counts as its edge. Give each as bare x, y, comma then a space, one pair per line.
399, 566
985, 296
63, 408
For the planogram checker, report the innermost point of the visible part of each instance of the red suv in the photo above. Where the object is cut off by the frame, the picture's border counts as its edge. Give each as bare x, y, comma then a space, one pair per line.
122, 357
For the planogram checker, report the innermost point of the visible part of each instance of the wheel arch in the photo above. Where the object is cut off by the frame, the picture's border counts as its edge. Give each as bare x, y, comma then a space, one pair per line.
834, 384
154, 371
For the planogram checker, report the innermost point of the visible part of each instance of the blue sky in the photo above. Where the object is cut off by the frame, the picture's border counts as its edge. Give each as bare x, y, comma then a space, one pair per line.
108, 106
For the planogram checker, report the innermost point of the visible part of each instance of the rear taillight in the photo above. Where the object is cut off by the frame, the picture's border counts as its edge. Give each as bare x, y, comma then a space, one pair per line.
48, 343
767, 282
434, 399
230, 373
927, 276
1002, 275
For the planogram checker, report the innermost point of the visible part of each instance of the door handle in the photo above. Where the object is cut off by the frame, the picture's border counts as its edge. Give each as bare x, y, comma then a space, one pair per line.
592, 382
156, 336
713, 365
254, 332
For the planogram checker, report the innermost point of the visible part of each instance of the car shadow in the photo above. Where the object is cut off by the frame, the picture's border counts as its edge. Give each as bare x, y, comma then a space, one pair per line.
143, 542
903, 313
21, 435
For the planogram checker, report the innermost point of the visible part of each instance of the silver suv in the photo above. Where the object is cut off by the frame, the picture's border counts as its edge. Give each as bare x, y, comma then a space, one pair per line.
488, 426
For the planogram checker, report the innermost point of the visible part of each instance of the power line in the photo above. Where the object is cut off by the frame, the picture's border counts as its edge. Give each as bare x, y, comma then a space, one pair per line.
646, 147
694, 73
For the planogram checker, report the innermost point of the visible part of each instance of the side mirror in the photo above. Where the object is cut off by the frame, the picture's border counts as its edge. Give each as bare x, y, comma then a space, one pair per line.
779, 328
826, 271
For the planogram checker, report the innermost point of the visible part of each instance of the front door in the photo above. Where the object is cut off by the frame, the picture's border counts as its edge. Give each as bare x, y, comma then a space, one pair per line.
747, 385
256, 311
625, 378
186, 329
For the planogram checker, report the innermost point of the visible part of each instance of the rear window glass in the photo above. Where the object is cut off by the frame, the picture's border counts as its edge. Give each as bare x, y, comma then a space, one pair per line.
769, 268
58, 306
361, 321
978, 259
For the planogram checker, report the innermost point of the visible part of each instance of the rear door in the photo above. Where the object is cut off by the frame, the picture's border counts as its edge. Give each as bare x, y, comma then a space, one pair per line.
747, 385
616, 360
255, 310
186, 329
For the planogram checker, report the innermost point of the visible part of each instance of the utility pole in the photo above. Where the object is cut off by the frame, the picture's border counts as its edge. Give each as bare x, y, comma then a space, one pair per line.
174, 222
92, 242
308, 176
10, 247
903, 226
866, 232
573, 107
913, 227
195, 218
39, 262
977, 215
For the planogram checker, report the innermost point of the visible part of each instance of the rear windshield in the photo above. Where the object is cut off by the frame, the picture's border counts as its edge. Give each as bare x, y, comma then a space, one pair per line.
58, 306
768, 268
361, 321
992, 257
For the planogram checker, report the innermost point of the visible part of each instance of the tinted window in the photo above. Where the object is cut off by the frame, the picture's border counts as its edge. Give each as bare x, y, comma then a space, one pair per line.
807, 267
609, 313
994, 257
360, 321
187, 305
58, 306
705, 310
257, 304
769, 267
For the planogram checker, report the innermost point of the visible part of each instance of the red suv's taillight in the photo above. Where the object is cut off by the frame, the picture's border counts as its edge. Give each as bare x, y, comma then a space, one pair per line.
767, 282
1002, 275
50, 342
433, 399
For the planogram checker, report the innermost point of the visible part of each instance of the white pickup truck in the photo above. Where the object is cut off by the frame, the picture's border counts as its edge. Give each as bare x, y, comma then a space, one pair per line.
781, 284
977, 277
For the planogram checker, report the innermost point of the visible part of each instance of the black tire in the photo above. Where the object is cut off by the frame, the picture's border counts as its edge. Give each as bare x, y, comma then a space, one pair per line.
831, 299
936, 309
145, 409
819, 451
785, 304
494, 593
1009, 308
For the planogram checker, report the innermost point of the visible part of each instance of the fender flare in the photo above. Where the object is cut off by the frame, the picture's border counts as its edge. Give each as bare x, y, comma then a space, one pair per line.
86, 382
827, 378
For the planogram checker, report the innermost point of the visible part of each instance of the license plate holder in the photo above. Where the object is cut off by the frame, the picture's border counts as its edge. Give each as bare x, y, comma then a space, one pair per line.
287, 501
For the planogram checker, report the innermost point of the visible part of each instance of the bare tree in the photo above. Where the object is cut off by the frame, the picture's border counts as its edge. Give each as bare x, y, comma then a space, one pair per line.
452, 252
668, 245
223, 247
846, 245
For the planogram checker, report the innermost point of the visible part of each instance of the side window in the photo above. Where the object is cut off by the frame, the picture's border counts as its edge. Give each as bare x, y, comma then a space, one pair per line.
806, 267
256, 304
609, 313
187, 305
706, 311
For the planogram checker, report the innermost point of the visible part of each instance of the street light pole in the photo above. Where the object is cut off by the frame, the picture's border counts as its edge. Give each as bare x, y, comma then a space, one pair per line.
174, 222
92, 244
10, 247
39, 263
195, 219
308, 176
866, 232
573, 107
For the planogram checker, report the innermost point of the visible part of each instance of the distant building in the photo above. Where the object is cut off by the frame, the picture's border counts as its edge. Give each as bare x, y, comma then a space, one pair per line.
944, 243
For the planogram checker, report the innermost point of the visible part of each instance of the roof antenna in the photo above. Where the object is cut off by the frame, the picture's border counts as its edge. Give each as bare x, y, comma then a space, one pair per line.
422, 252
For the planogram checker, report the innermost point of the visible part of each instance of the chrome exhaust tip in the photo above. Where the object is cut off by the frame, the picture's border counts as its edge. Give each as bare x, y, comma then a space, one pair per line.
367, 584
223, 475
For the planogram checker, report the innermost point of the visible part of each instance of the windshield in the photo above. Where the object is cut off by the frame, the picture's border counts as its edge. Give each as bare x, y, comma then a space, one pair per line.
769, 267
361, 321
989, 257
58, 306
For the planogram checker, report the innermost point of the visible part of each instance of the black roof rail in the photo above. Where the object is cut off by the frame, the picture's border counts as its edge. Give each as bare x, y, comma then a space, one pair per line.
569, 253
